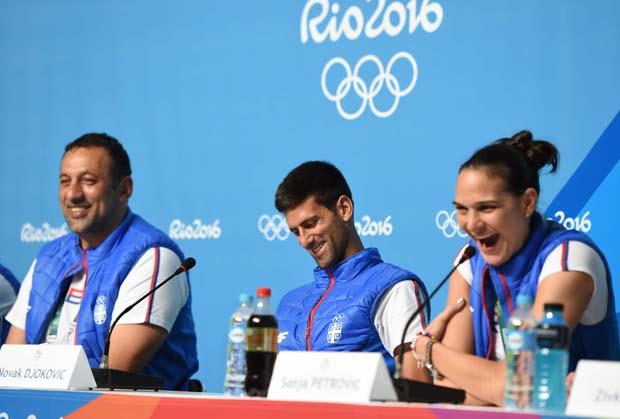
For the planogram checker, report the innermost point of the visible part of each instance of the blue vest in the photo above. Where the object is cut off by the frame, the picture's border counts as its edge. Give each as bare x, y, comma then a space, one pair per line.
520, 275
14, 283
106, 266
344, 299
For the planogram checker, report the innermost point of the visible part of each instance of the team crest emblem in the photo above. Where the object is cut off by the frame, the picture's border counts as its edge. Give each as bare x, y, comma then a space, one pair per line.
100, 312
334, 333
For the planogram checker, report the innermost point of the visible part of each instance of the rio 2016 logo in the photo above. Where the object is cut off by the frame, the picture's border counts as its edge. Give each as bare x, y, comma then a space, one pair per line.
274, 227
446, 222
367, 227
322, 20
46, 233
197, 230
582, 223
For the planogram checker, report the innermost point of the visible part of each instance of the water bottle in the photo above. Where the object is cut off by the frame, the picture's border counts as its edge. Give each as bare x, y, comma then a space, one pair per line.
262, 345
235, 358
520, 350
552, 338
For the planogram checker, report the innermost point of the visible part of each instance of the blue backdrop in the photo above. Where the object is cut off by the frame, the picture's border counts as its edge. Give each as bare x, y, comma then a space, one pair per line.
216, 101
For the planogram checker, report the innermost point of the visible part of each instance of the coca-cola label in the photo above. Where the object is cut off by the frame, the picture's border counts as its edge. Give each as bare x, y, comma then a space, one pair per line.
262, 339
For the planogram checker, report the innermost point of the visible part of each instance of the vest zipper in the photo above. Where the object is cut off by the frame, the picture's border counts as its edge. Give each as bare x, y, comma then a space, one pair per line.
487, 276
332, 281
85, 264
49, 317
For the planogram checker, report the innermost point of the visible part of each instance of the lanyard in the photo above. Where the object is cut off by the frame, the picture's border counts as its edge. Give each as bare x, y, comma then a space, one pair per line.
52, 330
501, 323
500, 314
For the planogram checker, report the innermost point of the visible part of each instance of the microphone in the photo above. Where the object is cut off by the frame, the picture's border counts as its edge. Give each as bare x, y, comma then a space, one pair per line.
111, 378
428, 393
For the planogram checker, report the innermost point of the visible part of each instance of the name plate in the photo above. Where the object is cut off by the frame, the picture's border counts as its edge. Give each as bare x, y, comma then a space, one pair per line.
596, 389
59, 367
330, 376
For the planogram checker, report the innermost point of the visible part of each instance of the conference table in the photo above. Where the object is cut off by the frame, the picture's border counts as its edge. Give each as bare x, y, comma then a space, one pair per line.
39, 404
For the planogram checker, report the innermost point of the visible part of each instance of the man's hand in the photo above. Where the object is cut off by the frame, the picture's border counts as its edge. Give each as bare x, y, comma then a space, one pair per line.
410, 369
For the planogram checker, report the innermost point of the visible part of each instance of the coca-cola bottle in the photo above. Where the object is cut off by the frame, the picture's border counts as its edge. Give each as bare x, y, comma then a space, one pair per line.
262, 345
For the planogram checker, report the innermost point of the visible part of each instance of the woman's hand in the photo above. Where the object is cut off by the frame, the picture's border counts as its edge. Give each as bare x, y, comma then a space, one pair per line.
437, 328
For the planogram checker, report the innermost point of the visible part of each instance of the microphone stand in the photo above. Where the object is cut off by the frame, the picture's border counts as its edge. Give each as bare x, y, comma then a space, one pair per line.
109, 378
418, 391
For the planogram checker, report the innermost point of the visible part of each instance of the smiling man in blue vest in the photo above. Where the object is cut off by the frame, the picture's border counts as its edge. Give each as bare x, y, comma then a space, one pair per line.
356, 302
81, 282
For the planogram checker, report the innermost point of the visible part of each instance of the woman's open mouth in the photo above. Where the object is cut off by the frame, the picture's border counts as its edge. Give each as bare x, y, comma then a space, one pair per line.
487, 243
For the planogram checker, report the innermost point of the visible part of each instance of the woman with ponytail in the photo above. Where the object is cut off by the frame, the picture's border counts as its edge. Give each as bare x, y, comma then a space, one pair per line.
517, 252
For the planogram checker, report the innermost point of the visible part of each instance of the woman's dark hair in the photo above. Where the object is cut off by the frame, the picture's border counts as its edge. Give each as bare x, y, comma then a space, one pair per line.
517, 160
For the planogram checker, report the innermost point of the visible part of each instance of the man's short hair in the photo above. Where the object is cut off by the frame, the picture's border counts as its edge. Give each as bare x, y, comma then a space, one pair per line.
121, 166
320, 179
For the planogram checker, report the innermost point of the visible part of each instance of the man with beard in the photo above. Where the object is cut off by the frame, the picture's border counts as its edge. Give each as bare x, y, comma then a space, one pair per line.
356, 302
81, 282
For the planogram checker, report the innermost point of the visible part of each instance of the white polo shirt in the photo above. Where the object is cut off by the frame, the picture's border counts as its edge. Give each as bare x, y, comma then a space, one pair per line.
161, 309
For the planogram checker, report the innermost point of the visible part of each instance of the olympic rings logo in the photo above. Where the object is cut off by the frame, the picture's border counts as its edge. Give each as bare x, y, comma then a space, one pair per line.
446, 222
338, 317
365, 92
273, 227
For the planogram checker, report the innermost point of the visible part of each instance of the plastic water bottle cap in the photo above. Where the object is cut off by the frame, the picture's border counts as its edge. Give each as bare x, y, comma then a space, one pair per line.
554, 307
244, 298
524, 299
263, 292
